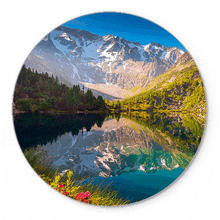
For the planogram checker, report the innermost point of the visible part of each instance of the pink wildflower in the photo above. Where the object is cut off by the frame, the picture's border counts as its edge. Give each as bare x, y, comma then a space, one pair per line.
87, 194
61, 185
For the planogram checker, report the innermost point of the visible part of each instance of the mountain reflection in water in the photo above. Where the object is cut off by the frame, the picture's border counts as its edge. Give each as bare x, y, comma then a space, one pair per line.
139, 154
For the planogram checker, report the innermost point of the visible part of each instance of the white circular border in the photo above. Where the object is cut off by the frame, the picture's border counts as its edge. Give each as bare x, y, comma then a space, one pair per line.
195, 195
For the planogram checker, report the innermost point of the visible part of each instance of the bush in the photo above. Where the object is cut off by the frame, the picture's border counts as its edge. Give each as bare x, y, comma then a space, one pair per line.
25, 104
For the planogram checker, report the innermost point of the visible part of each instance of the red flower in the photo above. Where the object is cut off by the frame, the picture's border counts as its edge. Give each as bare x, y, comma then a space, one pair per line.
86, 201
81, 195
87, 194
61, 185
78, 195
67, 193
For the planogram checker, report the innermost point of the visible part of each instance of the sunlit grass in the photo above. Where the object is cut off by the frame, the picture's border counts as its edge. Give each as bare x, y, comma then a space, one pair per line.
70, 186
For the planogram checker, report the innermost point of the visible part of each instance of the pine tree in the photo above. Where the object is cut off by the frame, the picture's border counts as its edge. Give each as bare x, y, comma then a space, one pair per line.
89, 96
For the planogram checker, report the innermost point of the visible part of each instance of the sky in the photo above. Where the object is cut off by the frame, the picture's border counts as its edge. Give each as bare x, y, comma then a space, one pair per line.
130, 27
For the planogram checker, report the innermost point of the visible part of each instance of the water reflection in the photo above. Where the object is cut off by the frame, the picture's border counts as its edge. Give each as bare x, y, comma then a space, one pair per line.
130, 150
35, 129
112, 144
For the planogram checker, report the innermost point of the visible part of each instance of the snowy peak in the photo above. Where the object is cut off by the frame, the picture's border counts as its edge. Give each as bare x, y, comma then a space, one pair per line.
66, 36
108, 37
81, 43
78, 56
153, 48
77, 33
171, 54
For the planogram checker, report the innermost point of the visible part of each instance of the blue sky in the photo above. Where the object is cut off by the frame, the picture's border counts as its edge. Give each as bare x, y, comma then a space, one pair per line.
130, 27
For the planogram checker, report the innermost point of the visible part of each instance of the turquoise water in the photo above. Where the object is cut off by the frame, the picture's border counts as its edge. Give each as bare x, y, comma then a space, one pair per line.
139, 185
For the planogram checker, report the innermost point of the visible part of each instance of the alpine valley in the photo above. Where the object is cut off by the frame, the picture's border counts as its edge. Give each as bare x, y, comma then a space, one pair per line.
109, 65
103, 115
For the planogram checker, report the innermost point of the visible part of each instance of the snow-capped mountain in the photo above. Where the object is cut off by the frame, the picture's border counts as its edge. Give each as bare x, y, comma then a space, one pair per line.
102, 63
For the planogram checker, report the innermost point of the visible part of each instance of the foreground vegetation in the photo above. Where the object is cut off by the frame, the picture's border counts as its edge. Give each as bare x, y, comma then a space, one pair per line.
68, 186
35, 92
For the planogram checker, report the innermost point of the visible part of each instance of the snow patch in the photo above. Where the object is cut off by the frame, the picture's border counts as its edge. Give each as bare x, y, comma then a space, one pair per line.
107, 83
146, 47
107, 37
86, 134
163, 55
75, 71
91, 49
65, 36
167, 55
141, 168
89, 79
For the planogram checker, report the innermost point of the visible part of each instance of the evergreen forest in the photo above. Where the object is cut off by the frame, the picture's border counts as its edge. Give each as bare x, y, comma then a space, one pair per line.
37, 92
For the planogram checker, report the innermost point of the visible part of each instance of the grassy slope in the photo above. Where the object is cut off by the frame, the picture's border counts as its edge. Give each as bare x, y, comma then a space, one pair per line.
179, 88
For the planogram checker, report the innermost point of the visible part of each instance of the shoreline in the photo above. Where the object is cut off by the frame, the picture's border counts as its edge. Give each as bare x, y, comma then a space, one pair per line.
180, 111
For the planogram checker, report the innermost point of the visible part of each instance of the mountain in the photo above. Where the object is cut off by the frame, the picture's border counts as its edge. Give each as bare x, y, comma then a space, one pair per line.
179, 88
183, 59
107, 64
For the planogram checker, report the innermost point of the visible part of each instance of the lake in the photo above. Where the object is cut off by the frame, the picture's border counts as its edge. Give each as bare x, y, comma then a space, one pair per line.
138, 154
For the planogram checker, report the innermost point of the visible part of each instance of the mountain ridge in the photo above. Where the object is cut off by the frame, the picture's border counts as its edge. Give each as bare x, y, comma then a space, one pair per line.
79, 56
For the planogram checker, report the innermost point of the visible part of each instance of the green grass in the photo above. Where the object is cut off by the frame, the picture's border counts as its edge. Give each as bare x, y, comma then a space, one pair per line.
105, 196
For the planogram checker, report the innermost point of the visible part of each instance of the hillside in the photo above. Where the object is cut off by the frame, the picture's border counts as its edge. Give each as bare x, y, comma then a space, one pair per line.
178, 89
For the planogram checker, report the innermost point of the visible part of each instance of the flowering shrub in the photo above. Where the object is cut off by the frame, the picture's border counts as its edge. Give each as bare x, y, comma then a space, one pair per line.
68, 186
83, 197
62, 190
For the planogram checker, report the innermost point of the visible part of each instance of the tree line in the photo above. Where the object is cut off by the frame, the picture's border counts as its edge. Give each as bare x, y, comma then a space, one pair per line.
35, 92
